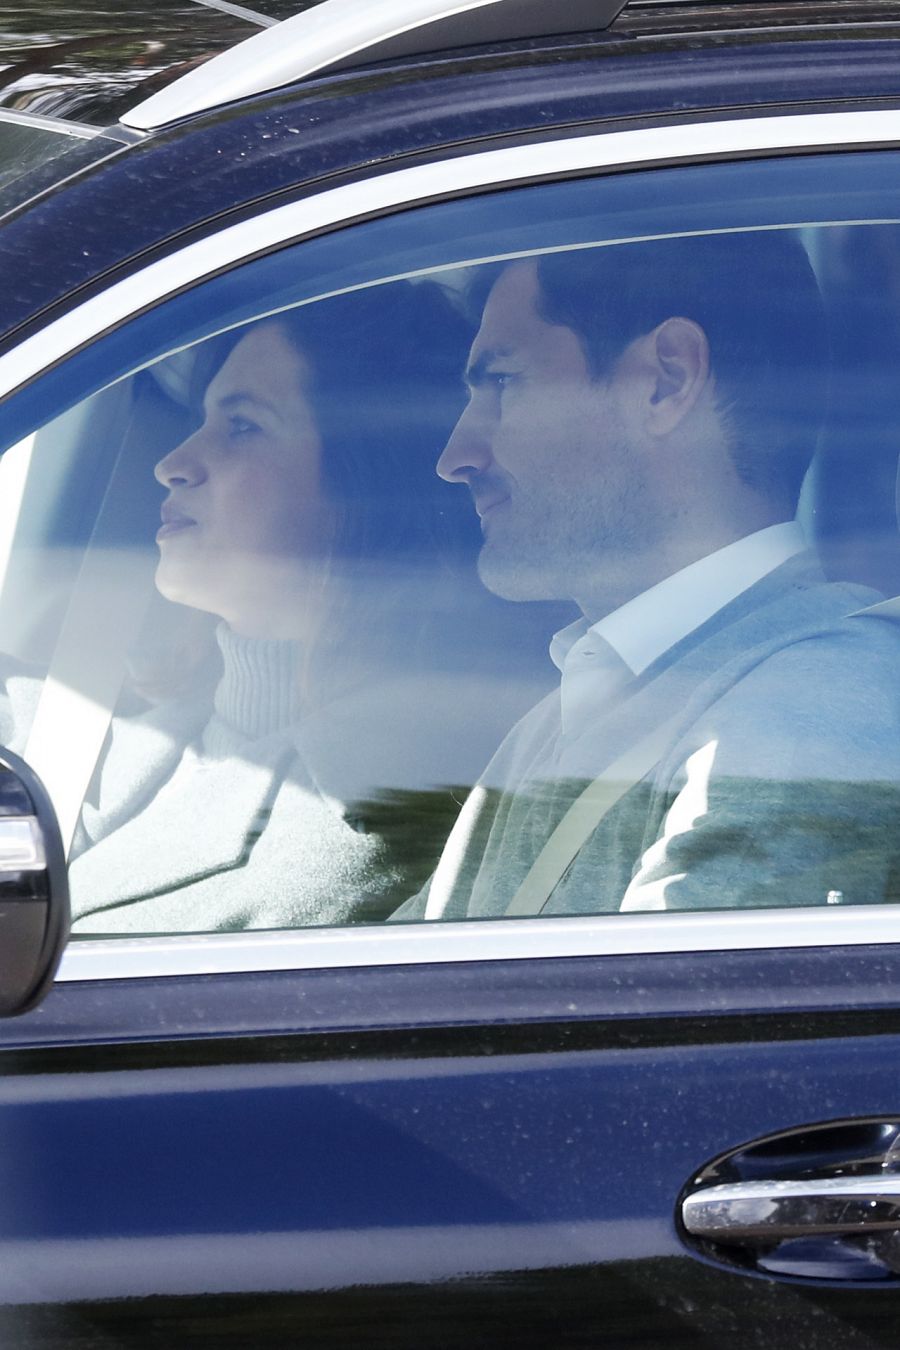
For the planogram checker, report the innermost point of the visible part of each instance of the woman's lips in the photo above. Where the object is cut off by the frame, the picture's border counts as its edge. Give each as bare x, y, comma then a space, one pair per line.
173, 523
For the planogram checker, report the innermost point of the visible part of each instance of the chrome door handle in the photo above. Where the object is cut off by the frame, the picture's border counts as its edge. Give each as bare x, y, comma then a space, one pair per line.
747, 1213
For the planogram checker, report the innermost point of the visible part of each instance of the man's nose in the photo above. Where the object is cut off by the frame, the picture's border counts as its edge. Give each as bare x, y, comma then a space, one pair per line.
183, 466
468, 451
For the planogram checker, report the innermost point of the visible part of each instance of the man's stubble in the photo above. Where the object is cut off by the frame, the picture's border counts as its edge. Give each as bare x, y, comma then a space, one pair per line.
577, 533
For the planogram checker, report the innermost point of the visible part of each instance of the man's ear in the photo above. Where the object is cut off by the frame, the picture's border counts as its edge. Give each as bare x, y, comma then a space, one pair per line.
678, 354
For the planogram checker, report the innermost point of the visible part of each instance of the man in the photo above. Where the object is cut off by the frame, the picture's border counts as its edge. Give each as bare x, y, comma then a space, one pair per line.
639, 425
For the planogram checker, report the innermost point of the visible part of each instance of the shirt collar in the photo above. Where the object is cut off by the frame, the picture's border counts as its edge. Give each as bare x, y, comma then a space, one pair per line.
652, 622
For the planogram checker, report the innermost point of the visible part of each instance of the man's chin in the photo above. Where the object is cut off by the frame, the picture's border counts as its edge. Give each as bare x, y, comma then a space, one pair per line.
512, 577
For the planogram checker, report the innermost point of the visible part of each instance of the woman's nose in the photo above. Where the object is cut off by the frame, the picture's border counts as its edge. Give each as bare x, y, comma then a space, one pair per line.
181, 467
468, 451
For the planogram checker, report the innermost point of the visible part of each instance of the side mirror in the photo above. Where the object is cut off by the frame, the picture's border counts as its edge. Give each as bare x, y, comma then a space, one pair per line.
34, 888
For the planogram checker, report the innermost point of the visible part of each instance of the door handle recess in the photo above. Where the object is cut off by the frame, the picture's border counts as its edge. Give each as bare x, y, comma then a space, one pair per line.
749, 1213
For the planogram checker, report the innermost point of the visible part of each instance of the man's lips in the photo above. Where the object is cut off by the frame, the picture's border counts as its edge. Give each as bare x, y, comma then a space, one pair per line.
173, 521
485, 505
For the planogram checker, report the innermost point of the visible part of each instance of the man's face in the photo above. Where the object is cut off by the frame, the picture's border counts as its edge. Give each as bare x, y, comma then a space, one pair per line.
545, 450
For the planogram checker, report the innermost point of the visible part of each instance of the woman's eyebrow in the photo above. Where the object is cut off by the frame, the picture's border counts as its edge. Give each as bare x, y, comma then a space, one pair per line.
230, 401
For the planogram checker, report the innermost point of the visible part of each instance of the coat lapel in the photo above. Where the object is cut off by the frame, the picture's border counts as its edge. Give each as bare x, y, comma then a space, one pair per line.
201, 818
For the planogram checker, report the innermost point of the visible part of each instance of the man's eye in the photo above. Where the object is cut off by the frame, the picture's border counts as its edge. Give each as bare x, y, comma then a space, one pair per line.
500, 379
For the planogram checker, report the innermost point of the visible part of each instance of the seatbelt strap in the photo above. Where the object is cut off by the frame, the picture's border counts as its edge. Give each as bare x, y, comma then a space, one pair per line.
884, 609
583, 817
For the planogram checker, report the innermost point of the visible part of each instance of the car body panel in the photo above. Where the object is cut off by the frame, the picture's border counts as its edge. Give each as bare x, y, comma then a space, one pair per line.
430, 181
353, 1141
155, 194
520, 1129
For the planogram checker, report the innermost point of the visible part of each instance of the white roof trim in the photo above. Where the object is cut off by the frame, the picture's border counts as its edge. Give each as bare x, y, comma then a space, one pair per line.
335, 32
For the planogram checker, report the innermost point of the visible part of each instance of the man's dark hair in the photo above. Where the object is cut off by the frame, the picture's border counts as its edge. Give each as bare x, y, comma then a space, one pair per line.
754, 294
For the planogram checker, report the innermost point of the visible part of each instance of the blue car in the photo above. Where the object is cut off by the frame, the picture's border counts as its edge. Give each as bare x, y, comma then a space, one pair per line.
370, 977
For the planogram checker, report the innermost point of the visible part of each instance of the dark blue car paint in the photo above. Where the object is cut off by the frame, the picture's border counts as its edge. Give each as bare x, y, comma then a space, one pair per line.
485, 1131
179, 182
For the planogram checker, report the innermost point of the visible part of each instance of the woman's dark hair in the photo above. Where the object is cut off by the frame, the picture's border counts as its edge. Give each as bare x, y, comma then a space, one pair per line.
385, 383
385, 368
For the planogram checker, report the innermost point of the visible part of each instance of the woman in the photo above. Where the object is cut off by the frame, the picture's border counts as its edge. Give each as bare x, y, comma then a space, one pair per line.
305, 515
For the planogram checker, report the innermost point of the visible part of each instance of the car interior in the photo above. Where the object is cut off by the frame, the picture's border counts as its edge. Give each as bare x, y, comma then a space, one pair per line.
79, 508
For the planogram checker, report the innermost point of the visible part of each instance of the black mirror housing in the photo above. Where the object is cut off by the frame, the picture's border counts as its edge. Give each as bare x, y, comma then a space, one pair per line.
34, 888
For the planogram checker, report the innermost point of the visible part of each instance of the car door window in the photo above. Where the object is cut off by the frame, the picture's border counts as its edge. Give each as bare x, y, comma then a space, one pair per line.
283, 556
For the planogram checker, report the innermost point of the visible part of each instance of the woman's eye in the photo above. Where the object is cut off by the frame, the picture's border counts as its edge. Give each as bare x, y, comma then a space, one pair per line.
241, 426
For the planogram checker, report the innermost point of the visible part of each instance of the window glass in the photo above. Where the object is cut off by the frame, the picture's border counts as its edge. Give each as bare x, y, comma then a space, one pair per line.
35, 154
24, 145
519, 555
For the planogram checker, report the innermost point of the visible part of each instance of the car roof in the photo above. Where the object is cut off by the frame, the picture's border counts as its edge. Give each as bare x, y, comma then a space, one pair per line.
333, 35
150, 63
336, 34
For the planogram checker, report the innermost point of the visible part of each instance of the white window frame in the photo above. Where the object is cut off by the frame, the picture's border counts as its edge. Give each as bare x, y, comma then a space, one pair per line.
427, 943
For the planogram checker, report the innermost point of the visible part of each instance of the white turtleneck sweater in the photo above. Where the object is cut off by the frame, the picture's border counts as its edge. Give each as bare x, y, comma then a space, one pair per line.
216, 822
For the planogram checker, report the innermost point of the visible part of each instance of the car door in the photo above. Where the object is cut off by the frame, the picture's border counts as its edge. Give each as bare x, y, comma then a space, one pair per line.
490, 1149
478, 1131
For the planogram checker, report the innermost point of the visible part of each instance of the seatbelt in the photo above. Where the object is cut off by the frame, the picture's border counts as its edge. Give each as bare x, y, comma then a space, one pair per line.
584, 815
884, 609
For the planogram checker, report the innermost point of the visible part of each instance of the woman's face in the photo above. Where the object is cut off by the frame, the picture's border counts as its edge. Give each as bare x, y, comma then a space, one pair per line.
245, 515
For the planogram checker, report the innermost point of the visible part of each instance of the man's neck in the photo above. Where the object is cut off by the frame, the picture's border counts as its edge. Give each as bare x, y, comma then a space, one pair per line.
608, 590
653, 621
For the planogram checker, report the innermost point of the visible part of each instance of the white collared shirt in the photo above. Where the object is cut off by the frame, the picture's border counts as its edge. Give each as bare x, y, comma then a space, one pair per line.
645, 627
